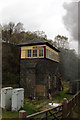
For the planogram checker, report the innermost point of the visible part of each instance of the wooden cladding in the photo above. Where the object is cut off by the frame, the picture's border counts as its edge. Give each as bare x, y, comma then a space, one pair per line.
38, 51
32, 52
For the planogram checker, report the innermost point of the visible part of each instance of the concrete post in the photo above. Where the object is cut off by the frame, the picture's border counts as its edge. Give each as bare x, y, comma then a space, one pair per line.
65, 110
22, 114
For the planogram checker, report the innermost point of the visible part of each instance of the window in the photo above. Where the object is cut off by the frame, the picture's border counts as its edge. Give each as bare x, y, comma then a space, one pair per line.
29, 53
22, 53
34, 53
41, 52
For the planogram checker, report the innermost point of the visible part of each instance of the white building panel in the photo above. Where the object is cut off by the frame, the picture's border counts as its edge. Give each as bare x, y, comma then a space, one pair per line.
17, 98
6, 98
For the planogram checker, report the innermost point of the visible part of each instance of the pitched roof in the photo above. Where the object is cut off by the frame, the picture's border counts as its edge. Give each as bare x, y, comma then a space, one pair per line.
37, 41
33, 41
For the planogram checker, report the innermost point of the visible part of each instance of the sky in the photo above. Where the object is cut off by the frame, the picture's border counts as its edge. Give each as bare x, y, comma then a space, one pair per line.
51, 16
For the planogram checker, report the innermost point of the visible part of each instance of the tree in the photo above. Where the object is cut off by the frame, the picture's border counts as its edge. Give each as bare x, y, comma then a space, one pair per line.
16, 34
9, 27
68, 58
11, 32
7, 31
10, 63
61, 42
19, 27
41, 34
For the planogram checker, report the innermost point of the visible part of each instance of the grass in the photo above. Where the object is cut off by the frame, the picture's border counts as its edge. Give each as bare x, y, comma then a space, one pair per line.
63, 94
39, 105
30, 107
9, 114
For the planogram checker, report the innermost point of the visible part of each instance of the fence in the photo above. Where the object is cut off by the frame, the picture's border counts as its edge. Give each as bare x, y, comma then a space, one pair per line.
59, 112
69, 105
54, 113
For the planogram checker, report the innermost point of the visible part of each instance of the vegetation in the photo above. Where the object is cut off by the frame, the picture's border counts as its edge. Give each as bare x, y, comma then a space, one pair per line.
69, 61
16, 34
13, 34
9, 114
33, 106
10, 64
68, 57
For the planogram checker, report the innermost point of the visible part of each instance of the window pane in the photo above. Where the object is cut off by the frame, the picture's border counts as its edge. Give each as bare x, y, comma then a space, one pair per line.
41, 52
29, 53
23, 54
34, 53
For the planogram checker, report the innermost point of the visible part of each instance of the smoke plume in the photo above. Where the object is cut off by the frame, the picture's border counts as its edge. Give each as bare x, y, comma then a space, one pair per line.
71, 19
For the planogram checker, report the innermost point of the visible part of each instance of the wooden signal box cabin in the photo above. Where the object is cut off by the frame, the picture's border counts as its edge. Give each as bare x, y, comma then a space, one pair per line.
39, 68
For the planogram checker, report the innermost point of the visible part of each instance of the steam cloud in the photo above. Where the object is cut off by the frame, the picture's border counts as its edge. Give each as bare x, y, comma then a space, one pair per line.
71, 18
79, 31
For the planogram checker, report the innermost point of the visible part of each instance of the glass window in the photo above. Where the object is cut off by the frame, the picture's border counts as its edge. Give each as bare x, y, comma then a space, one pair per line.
41, 52
22, 53
29, 53
34, 53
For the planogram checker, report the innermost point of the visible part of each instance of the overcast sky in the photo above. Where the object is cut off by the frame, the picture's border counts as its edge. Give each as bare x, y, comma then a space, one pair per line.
51, 16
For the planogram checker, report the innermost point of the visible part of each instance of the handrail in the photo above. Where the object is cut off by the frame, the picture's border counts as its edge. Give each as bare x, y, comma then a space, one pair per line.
73, 102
